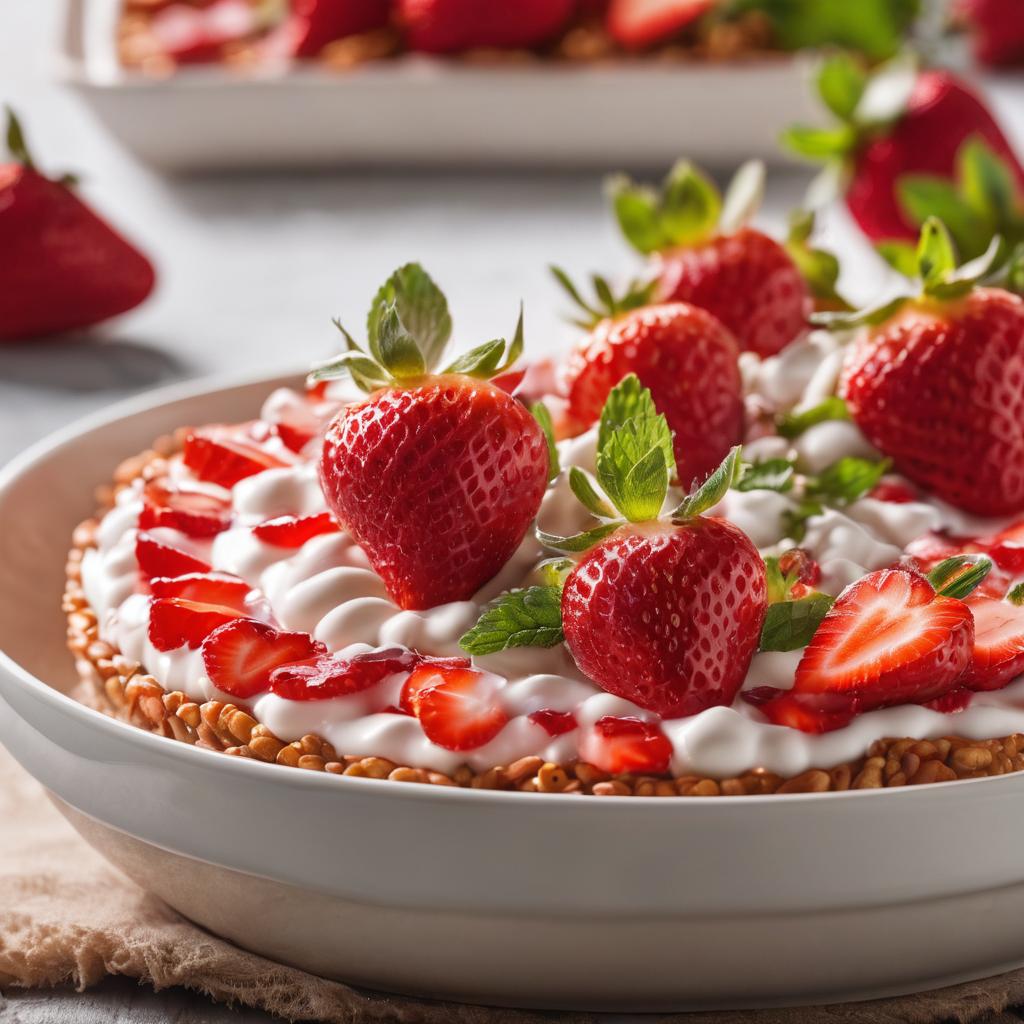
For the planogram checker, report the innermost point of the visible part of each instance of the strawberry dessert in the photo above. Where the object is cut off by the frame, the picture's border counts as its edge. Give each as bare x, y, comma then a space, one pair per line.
727, 546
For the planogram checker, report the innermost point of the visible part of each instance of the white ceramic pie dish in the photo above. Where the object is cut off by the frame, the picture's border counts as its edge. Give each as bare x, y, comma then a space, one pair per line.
418, 111
523, 899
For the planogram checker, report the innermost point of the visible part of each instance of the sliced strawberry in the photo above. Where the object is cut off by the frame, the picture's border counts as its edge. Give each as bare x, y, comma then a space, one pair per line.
205, 587
175, 621
295, 436
330, 675
198, 34
428, 673
317, 391
998, 654
554, 723
458, 708
240, 656
216, 456
957, 699
932, 548
294, 531
620, 745
1007, 548
156, 558
888, 639
895, 491
781, 707
193, 512
639, 23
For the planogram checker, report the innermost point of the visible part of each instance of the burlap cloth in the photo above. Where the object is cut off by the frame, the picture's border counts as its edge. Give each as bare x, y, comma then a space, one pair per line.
67, 917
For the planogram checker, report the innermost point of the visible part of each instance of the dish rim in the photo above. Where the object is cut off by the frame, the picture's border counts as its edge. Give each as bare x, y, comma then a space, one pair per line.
208, 386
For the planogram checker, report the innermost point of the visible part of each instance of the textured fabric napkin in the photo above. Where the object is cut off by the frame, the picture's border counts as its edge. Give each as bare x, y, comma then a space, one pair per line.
67, 916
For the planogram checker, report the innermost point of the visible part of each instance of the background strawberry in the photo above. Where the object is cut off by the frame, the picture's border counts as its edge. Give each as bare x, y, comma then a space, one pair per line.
636, 24
937, 384
312, 24
996, 28
446, 26
702, 253
898, 123
687, 360
62, 267
436, 477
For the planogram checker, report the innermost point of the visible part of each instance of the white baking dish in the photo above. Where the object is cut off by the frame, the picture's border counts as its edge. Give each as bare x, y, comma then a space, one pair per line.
426, 112
529, 899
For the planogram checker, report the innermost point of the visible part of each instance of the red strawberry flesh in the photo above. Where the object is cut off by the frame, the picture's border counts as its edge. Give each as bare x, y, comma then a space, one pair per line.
458, 708
156, 558
626, 745
176, 621
998, 653
294, 531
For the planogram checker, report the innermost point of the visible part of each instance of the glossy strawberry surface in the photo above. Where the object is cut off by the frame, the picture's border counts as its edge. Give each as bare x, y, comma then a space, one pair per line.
667, 616
177, 621
940, 390
942, 114
446, 26
747, 280
458, 708
294, 531
156, 558
998, 653
196, 513
618, 745
222, 455
438, 484
686, 358
62, 268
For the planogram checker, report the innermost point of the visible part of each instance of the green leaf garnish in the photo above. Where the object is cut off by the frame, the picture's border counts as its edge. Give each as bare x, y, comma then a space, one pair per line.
519, 618
582, 486
789, 625
579, 541
1016, 595
543, 416
960, 575
793, 424
795, 520
421, 307
767, 475
713, 490
846, 480
841, 83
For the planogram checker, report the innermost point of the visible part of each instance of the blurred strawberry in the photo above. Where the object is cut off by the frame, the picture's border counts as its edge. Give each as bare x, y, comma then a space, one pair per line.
896, 123
62, 267
636, 24
313, 24
447, 26
996, 28
191, 34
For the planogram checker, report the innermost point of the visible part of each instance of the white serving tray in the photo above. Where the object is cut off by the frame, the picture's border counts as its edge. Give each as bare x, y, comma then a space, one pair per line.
419, 111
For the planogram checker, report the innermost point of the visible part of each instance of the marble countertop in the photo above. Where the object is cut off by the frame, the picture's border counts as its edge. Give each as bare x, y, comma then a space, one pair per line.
251, 271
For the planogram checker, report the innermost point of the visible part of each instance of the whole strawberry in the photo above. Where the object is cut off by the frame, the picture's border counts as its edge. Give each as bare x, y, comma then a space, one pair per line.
897, 123
681, 353
447, 26
937, 383
664, 610
996, 28
62, 267
703, 253
436, 476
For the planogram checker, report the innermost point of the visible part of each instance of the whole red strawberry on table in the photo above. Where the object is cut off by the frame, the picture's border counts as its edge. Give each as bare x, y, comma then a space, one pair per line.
63, 268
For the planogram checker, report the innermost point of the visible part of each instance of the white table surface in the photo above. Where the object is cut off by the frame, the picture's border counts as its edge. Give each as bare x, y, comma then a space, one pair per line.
253, 268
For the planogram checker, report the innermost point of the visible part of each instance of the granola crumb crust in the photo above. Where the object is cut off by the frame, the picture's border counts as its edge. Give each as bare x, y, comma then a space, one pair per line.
121, 688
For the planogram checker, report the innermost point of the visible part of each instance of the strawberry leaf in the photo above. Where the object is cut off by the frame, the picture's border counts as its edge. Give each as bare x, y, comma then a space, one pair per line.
481, 362
887, 93
579, 541
779, 583
820, 269
395, 348
690, 205
421, 307
901, 256
713, 490
1016, 595
818, 144
366, 373
543, 417
841, 84
986, 181
923, 196
960, 575
16, 144
793, 424
743, 197
586, 493
790, 625
519, 618
767, 475
636, 210
936, 257
847, 479
630, 400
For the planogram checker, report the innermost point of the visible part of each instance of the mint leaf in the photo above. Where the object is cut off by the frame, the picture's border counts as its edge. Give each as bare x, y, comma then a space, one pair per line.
768, 475
793, 424
421, 307
519, 618
960, 575
1016, 595
581, 485
16, 144
789, 625
579, 541
543, 417
847, 480
630, 400
713, 490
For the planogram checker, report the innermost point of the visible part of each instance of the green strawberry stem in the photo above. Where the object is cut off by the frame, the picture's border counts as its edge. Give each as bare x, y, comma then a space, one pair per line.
606, 304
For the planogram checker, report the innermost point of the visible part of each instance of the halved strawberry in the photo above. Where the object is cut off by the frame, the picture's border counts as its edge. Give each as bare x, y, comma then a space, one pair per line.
294, 531
156, 558
330, 675
620, 745
219, 588
193, 512
175, 621
639, 23
240, 656
458, 708
888, 639
554, 723
218, 457
998, 654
